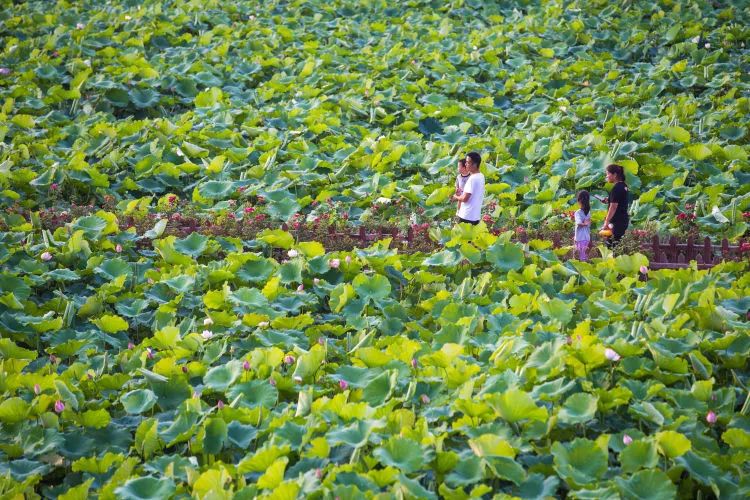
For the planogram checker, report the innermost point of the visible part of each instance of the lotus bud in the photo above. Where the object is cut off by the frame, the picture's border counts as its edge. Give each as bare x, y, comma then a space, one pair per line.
208, 322
263, 324
319, 473
246, 365
289, 359
644, 270
292, 253
343, 384
149, 353
611, 355
334, 263
316, 281
37, 389
321, 340
626, 440
118, 248
220, 404
301, 288
414, 363
131, 346
46, 256
59, 406
711, 417
425, 399
348, 259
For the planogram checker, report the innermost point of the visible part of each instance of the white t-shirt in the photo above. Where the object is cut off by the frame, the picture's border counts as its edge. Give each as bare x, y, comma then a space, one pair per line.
472, 209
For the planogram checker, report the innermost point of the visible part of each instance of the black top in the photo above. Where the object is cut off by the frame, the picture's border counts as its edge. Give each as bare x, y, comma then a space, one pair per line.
619, 195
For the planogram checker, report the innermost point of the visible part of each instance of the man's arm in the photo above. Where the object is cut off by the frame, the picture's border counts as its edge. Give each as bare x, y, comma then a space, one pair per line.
462, 197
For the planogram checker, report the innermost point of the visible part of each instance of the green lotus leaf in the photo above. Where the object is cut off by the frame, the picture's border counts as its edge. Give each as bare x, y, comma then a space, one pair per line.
92, 226
672, 444
276, 238
216, 435
403, 453
283, 209
255, 393
146, 488
649, 484
291, 272
515, 405
13, 410
640, 454
111, 323
557, 309
138, 401
219, 378
111, 269
505, 256
193, 245
579, 462
216, 190
537, 486
374, 287
144, 98
578, 409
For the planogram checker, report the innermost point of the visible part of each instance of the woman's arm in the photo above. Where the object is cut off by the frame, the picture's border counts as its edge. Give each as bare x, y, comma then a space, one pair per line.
610, 214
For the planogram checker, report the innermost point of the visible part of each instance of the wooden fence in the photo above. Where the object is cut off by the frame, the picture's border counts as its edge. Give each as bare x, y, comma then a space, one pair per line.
673, 255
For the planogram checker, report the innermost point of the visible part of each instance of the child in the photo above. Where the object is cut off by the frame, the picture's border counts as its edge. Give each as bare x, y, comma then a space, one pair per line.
461, 178
583, 222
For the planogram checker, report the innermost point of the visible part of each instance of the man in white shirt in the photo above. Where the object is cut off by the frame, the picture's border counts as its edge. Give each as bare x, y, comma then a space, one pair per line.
472, 197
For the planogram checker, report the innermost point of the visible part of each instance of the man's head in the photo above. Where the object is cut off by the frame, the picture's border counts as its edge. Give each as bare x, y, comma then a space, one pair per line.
473, 160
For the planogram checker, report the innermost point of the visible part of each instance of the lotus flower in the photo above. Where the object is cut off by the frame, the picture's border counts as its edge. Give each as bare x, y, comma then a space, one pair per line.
343, 384
220, 404
425, 399
208, 322
316, 281
118, 248
80, 26
292, 253
611, 355
644, 270
59, 406
206, 334
46, 256
334, 263
54, 186
289, 360
37, 389
301, 288
711, 417
348, 259
246, 365
263, 324
626, 440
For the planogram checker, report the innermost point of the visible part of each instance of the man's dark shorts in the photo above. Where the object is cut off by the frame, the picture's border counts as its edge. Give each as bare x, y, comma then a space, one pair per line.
473, 222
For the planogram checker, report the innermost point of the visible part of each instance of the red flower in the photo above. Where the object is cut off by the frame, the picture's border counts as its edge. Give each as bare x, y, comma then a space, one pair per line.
345, 216
681, 216
746, 215
172, 199
241, 189
249, 210
54, 186
745, 247
296, 225
487, 219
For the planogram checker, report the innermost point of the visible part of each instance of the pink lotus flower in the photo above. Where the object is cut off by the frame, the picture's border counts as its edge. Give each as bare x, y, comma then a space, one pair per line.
118, 248
289, 359
59, 406
46, 256
711, 417
80, 26
131, 345
220, 404
343, 384
611, 355
206, 334
644, 270
37, 389
301, 288
54, 186
246, 365
208, 322
626, 440
292, 253
425, 399
414, 363
334, 263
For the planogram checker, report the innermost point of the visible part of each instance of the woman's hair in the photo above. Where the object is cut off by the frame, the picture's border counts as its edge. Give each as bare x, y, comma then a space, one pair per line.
617, 171
584, 200
462, 162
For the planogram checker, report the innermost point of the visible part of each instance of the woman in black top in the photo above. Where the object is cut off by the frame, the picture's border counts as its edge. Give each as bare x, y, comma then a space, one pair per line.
617, 213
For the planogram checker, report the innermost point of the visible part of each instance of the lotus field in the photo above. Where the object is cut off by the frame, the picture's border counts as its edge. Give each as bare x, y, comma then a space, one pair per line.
184, 311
